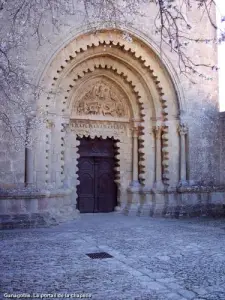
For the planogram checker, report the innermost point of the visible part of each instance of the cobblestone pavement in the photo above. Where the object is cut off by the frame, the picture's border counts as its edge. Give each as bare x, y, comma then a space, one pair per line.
152, 259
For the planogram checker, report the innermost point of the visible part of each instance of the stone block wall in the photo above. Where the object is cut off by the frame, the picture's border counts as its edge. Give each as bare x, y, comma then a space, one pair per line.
20, 209
12, 163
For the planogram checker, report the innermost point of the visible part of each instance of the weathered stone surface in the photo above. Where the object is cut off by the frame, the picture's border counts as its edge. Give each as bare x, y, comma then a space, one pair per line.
97, 83
59, 205
2, 155
23, 207
5, 165
56, 257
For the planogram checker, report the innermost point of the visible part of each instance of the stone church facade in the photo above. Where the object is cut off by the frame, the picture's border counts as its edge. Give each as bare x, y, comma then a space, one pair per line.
125, 132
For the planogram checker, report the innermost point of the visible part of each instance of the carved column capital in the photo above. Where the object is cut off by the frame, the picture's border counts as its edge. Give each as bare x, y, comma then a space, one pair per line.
66, 126
182, 129
135, 131
50, 124
158, 131
136, 128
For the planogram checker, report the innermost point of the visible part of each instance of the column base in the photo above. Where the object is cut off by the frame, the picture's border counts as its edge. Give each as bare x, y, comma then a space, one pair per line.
183, 183
133, 198
145, 202
118, 208
158, 187
134, 186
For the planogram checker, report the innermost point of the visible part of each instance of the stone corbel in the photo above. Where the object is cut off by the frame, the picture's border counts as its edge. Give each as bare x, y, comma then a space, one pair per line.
183, 131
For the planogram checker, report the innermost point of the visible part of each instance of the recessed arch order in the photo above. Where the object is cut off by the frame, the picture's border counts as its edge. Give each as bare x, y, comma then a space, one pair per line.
137, 80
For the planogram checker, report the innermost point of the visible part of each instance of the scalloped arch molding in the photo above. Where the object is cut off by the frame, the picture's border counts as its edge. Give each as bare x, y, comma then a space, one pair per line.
152, 99
142, 36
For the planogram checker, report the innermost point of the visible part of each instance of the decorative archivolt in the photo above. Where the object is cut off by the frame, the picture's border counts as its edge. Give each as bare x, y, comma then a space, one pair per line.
131, 70
143, 97
121, 74
126, 96
114, 38
134, 51
116, 71
131, 54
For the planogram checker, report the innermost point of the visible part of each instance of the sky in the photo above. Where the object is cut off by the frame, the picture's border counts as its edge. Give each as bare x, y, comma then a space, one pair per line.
221, 57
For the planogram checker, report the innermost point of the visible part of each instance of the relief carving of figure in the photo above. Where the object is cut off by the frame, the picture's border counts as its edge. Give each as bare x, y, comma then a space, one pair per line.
120, 110
101, 100
80, 108
92, 108
101, 91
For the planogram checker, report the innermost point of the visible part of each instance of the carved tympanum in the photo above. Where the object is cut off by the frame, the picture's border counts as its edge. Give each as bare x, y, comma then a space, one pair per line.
102, 99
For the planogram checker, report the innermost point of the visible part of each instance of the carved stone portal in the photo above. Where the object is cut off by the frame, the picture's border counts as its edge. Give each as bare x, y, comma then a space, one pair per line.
102, 98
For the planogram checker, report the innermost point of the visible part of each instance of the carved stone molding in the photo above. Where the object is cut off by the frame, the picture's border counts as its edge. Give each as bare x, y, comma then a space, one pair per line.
100, 128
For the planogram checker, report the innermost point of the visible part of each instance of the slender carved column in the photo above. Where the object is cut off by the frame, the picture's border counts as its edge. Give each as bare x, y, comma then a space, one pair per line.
134, 188
29, 153
65, 150
135, 155
182, 129
135, 184
28, 166
158, 136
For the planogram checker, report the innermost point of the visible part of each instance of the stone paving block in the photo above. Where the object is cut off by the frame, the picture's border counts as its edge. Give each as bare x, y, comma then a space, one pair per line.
173, 296
166, 280
164, 258
154, 275
174, 286
56, 257
200, 291
153, 285
135, 272
187, 294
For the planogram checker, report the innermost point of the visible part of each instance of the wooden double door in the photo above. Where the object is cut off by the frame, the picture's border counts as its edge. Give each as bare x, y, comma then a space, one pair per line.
97, 189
